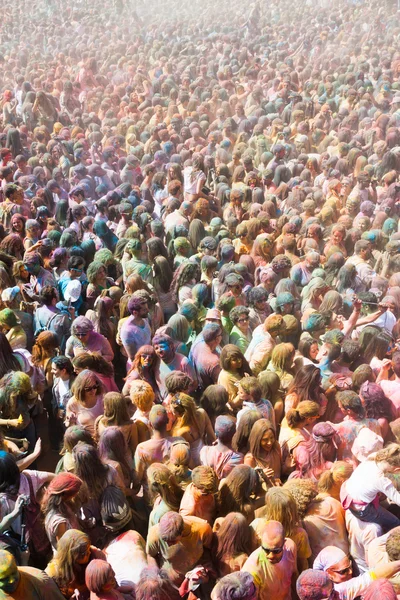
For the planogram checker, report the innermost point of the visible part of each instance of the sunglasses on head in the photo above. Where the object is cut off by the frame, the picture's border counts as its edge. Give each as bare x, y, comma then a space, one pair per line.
91, 388
272, 550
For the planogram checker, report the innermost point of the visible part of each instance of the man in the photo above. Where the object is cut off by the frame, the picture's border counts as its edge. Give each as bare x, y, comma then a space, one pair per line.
360, 259
155, 450
384, 549
75, 266
204, 355
136, 332
273, 565
263, 342
181, 215
301, 273
391, 387
14, 203
238, 585
39, 277
131, 172
51, 317
170, 361
136, 265
21, 583
179, 544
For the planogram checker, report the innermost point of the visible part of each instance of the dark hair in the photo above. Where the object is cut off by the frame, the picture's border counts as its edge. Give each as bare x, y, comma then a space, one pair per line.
63, 362
214, 401
378, 346
351, 401
47, 294
240, 442
306, 383
9, 474
305, 347
229, 352
8, 360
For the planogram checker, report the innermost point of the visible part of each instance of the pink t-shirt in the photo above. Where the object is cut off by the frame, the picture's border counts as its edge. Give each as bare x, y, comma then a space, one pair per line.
195, 505
392, 391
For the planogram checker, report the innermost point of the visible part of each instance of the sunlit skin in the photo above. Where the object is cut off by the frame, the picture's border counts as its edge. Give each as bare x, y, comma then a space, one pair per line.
9, 575
267, 441
17, 225
273, 540
243, 323
164, 351
146, 360
341, 571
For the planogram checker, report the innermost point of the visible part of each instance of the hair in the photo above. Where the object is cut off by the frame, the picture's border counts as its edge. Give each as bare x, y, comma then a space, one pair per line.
282, 357
72, 546
113, 446
281, 506
9, 474
177, 382
306, 383
378, 346
336, 475
304, 491
98, 574
362, 374
186, 408
393, 545
136, 365
390, 454
180, 328
236, 491
46, 343
142, 395
235, 586
240, 442
251, 386
382, 588
376, 404
155, 584
304, 410
317, 454
8, 360
183, 275
90, 469
93, 362
305, 347
115, 410
163, 274
257, 433
351, 401
75, 434
84, 379
229, 352
162, 483
232, 538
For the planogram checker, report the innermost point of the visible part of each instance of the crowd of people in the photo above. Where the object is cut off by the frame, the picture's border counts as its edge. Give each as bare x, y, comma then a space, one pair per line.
199, 300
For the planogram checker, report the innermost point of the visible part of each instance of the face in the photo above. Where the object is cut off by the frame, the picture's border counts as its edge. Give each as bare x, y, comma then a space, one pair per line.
261, 306
313, 351
56, 371
144, 310
273, 548
267, 441
337, 237
243, 396
162, 350
342, 571
236, 363
101, 274
18, 196
90, 391
9, 576
243, 322
146, 360
235, 290
17, 225
83, 336
83, 559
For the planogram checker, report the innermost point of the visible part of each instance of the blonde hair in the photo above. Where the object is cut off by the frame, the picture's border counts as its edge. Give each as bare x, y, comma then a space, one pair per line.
304, 410
340, 471
142, 395
390, 454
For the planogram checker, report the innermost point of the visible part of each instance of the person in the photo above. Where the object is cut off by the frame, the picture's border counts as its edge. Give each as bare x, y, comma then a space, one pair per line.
100, 581
164, 492
18, 583
220, 456
170, 360
264, 451
58, 506
259, 351
240, 335
116, 415
84, 339
233, 368
359, 493
86, 403
238, 584
135, 332
179, 544
232, 544
273, 564
204, 356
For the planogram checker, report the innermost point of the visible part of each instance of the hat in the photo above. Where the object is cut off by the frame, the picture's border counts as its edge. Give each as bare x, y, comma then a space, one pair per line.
73, 290
366, 442
115, 510
82, 325
396, 99
213, 314
10, 293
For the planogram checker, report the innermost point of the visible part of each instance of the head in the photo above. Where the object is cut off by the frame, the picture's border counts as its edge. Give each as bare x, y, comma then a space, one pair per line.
262, 438
142, 395
314, 585
9, 574
235, 586
273, 541
100, 577
86, 387
336, 564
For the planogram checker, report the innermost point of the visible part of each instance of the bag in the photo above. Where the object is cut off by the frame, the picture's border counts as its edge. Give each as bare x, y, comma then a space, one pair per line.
47, 326
36, 537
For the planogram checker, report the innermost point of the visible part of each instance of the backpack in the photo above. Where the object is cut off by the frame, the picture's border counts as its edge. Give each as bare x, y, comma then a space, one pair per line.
47, 326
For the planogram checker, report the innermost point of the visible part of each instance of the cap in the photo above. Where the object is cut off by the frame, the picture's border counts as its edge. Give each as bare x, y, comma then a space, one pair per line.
73, 291
10, 293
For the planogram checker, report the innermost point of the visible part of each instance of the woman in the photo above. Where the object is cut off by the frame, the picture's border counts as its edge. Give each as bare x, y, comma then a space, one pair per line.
59, 506
101, 318
238, 492
86, 403
185, 278
165, 493
143, 368
280, 506
113, 451
162, 281
306, 385
377, 406
85, 339
259, 308
194, 179
312, 294
379, 349
178, 463
234, 368
116, 414
232, 544
240, 334
214, 401
74, 553
180, 331
17, 225
44, 350
192, 423
295, 429
306, 354
281, 363
73, 435
360, 492
240, 442
264, 452
316, 454
17, 399
99, 365
330, 482
100, 581
98, 281
11, 327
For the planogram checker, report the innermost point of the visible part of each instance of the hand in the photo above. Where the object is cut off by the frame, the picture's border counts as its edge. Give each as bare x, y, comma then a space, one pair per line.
386, 364
19, 504
38, 447
357, 304
269, 473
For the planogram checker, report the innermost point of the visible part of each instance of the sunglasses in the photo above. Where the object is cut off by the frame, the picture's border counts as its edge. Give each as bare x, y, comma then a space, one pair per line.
272, 550
343, 571
244, 320
91, 388
79, 335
